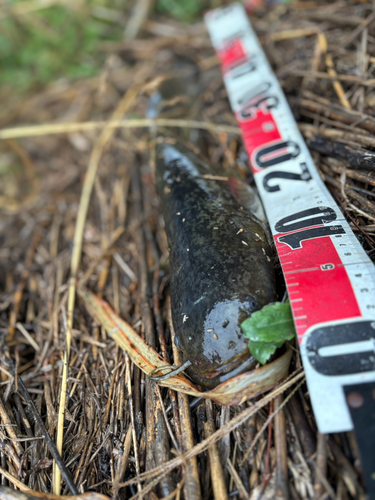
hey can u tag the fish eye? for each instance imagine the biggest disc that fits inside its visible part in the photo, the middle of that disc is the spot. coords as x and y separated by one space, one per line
252 304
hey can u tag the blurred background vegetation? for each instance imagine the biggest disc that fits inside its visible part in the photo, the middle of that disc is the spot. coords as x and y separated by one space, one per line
44 40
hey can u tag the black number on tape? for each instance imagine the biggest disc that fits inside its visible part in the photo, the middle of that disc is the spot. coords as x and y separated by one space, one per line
257 99
264 104
278 153
305 176
294 240
334 336
241 68
254 93
303 219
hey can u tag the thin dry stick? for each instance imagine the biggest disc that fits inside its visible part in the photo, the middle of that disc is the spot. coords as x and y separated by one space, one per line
325 483
114 237
26 160
290 34
139 14
158 446
120 473
149 487
359 136
103 276
233 424
332 72
225 442
303 429
177 492
337 84
217 475
163 346
353 34
9 451
337 114
44 433
36 494
174 441
14 480
315 61
10 430
21 411
267 461
333 76
88 185
27 336
266 423
79 374
21 285
131 406
67 128
109 401
321 464
282 490
361 212
237 481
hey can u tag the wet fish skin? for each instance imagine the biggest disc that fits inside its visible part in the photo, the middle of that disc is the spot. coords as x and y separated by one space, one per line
220 260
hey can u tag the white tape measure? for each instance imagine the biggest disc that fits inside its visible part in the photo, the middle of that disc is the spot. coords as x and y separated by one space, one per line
330 279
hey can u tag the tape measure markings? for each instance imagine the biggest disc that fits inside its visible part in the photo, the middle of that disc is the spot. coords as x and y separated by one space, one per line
330 279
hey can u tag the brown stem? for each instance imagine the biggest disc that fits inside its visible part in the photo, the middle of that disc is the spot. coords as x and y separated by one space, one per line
157 435
282 489
217 476
321 465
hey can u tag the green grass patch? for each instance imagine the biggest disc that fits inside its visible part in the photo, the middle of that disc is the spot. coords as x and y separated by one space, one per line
52 43
183 10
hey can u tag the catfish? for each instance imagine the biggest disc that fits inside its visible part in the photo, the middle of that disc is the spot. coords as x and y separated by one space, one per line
221 267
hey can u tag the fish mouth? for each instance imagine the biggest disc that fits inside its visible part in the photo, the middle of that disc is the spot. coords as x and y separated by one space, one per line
210 380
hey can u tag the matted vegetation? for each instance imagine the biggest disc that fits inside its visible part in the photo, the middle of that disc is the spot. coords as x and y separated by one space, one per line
79 208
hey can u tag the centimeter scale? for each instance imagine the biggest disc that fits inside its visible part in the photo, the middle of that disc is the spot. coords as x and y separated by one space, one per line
330 279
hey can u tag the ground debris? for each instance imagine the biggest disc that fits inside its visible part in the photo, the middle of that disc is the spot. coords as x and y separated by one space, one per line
122 436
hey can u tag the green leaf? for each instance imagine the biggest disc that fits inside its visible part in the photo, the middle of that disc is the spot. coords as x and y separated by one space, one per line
268 329
262 351
273 323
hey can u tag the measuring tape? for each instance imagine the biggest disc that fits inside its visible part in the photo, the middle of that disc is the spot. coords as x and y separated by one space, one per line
330 279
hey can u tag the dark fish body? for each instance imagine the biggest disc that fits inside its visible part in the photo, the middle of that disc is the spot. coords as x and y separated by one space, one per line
220 261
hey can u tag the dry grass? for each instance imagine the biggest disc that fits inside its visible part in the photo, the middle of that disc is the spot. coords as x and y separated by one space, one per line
78 202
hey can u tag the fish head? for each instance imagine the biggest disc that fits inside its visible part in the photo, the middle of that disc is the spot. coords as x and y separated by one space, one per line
211 337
